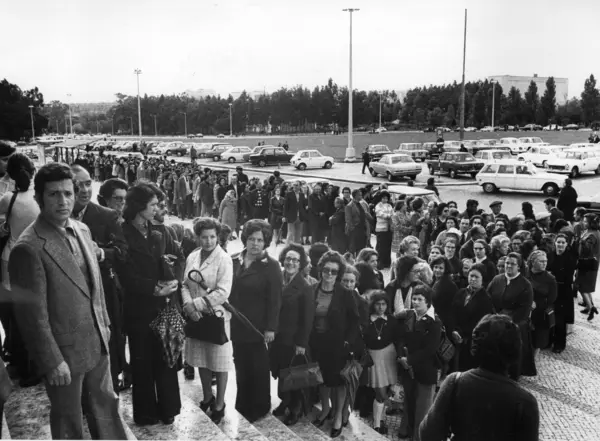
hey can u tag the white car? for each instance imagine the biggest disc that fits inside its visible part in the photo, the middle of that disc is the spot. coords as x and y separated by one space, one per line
582 145
540 155
515 145
575 162
220 135
552 127
517 175
487 129
470 129
452 146
311 159
396 165
492 155
235 154
168 148
530 141
380 130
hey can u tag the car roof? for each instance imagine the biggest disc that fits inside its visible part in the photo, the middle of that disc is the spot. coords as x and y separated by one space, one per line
510 162
408 191
391 155
492 151
311 150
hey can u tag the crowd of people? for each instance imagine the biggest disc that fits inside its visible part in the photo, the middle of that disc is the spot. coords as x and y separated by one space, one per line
473 295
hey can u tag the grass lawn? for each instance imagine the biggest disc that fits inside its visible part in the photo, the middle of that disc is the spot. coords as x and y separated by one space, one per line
335 145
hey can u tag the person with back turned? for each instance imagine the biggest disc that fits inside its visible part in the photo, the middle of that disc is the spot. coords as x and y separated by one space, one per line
61 311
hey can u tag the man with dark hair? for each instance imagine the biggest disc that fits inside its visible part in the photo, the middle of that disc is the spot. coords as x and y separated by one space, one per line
555 213
366 159
471 210
242 177
358 222
294 212
466 251
62 314
110 251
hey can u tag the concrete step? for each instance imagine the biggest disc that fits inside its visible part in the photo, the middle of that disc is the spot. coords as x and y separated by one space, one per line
357 429
233 425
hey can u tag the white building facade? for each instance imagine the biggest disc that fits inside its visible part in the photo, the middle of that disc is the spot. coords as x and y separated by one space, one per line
522 84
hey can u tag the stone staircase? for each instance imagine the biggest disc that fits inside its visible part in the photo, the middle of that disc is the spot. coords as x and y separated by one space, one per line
27 417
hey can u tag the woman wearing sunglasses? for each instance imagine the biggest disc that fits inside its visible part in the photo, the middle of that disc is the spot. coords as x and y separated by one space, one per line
334 336
209 275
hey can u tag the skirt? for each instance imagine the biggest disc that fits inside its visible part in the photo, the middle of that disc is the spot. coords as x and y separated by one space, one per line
586 281
331 356
216 358
384 371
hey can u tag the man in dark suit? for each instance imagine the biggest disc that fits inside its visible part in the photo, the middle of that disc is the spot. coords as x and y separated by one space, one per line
241 176
358 222
466 251
54 273
111 250
294 213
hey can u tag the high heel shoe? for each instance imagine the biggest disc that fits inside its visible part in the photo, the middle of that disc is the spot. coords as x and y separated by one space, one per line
585 311
318 422
335 432
204 406
292 418
217 415
593 311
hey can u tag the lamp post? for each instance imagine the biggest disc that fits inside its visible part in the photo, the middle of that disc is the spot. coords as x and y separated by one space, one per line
462 87
32 125
185 122
493 101
70 115
155 129
230 121
350 152
131 125
112 125
379 109
137 72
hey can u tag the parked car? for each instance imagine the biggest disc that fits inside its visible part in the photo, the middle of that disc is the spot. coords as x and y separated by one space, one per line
582 145
452 146
311 159
487 129
271 155
514 144
591 204
530 141
516 175
469 129
398 192
376 151
550 127
197 135
216 151
575 162
414 149
571 127
235 154
455 164
492 155
173 148
531 127
395 165
380 130
204 148
220 135
432 148
254 151
540 155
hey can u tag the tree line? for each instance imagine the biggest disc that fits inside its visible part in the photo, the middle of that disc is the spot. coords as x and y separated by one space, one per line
298 109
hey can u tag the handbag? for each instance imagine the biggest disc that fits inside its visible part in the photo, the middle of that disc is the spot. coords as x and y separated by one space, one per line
550 317
446 349
587 264
302 376
210 328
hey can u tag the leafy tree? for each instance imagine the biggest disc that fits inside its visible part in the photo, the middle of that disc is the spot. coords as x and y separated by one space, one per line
548 101
15 115
450 118
478 110
532 102
590 100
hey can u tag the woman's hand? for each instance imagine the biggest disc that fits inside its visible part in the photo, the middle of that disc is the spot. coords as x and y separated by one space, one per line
269 337
165 289
189 309
300 350
404 363
532 305
457 338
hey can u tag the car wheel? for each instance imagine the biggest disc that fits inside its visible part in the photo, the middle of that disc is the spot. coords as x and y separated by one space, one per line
489 188
168 153
328 165
262 163
550 190
231 160
597 171
452 173
413 177
215 158
302 166
389 176
431 171
373 172
574 173
202 155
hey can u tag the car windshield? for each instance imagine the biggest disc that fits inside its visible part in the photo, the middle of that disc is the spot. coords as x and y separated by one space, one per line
464 158
501 155
574 155
397 159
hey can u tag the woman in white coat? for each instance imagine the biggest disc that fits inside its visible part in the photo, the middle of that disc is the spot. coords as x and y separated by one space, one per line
216 268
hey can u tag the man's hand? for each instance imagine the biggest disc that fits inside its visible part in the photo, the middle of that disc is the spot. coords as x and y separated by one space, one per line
269 337
300 350
456 337
60 375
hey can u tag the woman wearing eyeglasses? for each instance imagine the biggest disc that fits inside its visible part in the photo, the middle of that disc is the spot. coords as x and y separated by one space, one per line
512 295
207 284
295 323
334 336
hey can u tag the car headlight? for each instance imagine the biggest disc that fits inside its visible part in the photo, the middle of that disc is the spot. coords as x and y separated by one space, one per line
567 167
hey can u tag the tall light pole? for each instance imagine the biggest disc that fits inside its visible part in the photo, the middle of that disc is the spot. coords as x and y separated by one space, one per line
137 72
185 122
131 124
70 115
230 122
493 101
155 126
350 152
379 109
32 125
462 87
112 125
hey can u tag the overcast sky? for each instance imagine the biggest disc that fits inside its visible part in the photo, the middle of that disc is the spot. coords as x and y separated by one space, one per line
90 49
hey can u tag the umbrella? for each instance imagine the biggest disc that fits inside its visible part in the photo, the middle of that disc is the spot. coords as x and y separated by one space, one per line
196 276
168 326
351 375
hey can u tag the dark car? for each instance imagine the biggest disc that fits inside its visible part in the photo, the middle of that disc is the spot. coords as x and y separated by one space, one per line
591 204
456 163
271 155
215 152
376 151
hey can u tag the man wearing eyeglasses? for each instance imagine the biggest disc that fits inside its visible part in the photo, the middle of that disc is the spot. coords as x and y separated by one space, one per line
111 249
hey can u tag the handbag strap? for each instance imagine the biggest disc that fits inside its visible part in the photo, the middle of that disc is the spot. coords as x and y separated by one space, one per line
10 206
209 306
296 355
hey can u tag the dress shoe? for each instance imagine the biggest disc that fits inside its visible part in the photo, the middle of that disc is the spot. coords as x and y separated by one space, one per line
279 411
382 429
318 422
335 432
204 406
291 419
558 350
585 311
168 420
217 415
593 311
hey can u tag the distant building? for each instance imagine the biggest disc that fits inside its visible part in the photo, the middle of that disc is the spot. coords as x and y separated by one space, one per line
200 93
522 84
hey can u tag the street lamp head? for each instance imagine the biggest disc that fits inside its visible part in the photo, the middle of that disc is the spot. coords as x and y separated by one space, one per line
30 106
137 71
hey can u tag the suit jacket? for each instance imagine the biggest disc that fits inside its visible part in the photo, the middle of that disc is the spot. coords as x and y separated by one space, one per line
353 217
291 208
60 317
514 299
297 313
